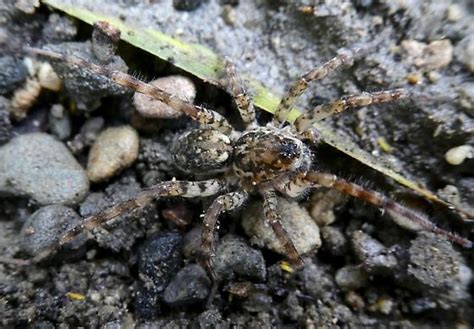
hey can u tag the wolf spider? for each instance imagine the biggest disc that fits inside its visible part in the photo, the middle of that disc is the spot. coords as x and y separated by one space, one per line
265 160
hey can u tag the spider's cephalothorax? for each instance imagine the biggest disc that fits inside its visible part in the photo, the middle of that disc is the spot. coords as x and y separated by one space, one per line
266 153
259 159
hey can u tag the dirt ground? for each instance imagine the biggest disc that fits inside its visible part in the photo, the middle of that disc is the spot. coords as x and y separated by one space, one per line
142 271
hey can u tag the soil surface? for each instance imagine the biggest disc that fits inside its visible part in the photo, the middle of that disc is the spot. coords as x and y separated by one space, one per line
144 270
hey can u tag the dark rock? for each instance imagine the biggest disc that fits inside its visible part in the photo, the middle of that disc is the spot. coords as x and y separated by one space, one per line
236 258
12 74
6 129
189 287
334 241
59 28
46 226
159 258
187 5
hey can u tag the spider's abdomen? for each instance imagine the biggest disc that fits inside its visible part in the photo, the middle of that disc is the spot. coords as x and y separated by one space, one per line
202 151
263 154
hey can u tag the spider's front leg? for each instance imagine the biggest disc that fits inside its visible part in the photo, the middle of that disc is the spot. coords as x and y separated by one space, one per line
403 215
273 219
165 189
223 203
242 100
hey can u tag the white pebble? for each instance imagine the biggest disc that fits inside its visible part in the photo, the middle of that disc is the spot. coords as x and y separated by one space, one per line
457 155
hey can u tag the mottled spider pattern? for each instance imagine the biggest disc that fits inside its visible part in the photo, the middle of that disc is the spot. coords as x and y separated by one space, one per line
265 160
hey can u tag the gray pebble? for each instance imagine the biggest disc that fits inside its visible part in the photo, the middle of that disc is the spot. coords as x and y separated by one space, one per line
114 149
466 97
375 257
176 85
334 240
190 286
235 258
301 228
41 167
12 74
465 52
59 28
45 226
6 128
59 122
351 277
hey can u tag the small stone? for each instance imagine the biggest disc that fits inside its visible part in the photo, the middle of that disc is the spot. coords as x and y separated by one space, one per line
190 286
454 13
334 240
322 206
187 5
176 85
465 52
354 300
351 277
46 225
12 74
432 56
24 98
301 228
6 128
159 259
456 155
235 258
115 149
466 97
59 122
42 167
59 28
47 78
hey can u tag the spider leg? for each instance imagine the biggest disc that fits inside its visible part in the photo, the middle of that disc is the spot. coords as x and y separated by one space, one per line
305 121
165 189
197 113
221 204
345 56
403 215
274 220
242 100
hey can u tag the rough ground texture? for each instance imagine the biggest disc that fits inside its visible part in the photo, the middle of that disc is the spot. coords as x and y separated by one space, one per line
368 271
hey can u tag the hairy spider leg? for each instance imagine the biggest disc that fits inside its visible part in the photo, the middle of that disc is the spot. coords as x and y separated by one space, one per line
221 204
198 113
345 57
241 98
306 120
272 217
403 215
165 189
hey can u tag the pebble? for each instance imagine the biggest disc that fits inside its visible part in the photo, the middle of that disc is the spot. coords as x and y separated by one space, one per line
376 258
59 122
114 149
435 55
47 78
42 167
466 97
187 5
190 286
301 228
334 240
46 225
351 277
235 258
322 207
12 74
6 128
465 52
159 259
456 155
176 85
59 28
